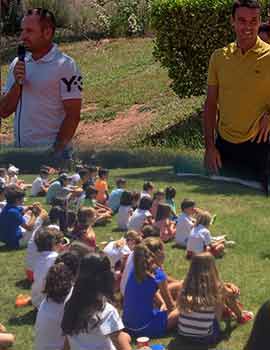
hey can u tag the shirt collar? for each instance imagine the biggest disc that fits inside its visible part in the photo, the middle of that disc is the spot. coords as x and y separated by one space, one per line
47 58
256 48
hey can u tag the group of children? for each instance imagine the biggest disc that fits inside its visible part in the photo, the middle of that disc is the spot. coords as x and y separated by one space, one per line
74 279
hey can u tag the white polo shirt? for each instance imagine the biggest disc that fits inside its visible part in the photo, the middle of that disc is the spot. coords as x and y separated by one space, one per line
48 82
199 238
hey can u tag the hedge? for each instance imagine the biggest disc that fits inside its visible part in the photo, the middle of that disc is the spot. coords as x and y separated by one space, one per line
187 32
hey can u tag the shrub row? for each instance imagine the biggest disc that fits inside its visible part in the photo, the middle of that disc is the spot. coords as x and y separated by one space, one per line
187 32
92 18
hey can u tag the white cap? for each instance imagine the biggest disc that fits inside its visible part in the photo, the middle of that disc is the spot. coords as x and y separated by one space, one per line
13 169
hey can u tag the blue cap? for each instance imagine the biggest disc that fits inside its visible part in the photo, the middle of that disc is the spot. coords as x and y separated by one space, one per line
157 347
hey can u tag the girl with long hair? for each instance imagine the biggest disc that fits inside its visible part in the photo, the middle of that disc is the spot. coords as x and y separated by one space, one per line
90 321
203 299
147 282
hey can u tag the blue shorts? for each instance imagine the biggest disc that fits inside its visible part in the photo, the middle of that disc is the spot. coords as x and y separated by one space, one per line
156 328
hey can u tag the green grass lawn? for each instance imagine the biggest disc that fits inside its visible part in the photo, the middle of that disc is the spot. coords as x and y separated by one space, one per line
242 214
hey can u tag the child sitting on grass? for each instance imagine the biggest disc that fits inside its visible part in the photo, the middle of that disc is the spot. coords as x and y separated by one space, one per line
158 197
170 193
115 195
101 185
49 243
32 252
149 307
141 215
12 218
48 332
41 184
6 339
125 210
118 251
202 301
83 230
104 213
163 224
90 321
185 222
200 238
148 189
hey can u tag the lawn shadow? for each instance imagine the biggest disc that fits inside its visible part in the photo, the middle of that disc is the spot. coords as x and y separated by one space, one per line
200 185
28 318
23 284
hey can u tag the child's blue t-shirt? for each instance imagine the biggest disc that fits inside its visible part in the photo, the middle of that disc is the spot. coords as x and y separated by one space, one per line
114 199
11 218
139 298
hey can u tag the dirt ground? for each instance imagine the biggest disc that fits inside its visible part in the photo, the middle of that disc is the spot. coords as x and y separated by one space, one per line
104 134
114 131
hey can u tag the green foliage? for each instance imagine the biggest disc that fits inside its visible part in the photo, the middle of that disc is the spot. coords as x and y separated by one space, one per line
60 8
187 32
97 18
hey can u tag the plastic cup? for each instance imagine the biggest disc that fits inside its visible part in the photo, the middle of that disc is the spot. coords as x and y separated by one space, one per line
142 342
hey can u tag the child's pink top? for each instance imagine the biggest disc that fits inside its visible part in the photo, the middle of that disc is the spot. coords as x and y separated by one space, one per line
166 228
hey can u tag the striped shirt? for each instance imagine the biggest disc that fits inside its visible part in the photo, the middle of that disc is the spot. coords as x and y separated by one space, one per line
196 324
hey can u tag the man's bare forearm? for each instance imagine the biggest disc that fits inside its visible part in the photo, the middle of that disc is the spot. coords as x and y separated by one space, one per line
8 102
210 123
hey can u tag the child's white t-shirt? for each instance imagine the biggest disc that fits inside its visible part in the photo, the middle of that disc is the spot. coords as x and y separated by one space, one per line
42 265
31 251
98 337
137 219
123 216
199 238
13 179
115 253
183 229
125 275
2 205
145 194
36 186
48 332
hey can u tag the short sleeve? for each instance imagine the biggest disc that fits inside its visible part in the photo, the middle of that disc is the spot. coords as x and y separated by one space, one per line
10 78
160 275
17 217
212 71
71 81
112 321
207 237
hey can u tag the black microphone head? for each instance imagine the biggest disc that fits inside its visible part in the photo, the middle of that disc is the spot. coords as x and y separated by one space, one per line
21 52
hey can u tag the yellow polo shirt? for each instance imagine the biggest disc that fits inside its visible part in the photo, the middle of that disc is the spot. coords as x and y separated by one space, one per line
243 82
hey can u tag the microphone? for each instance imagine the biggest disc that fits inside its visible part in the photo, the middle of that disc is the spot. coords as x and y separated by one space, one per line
21 55
21 52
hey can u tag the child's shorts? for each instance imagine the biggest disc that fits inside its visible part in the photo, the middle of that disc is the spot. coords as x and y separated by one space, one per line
30 275
211 339
156 328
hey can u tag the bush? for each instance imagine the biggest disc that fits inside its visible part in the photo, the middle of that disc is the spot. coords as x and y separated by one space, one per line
187 32
99 18
60 8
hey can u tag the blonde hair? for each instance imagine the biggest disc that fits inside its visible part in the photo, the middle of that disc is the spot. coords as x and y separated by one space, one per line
86 216
203 217
202 286
144 255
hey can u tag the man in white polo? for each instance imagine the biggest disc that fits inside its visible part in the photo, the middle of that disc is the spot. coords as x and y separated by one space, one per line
44 90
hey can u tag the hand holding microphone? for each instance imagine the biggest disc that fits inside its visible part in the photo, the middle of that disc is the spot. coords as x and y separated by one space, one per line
19 69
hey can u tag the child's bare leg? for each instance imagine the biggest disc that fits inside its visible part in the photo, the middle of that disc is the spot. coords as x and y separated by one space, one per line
174 288
234 306
6 340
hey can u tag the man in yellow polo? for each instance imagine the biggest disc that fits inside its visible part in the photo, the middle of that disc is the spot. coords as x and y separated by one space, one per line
239 93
